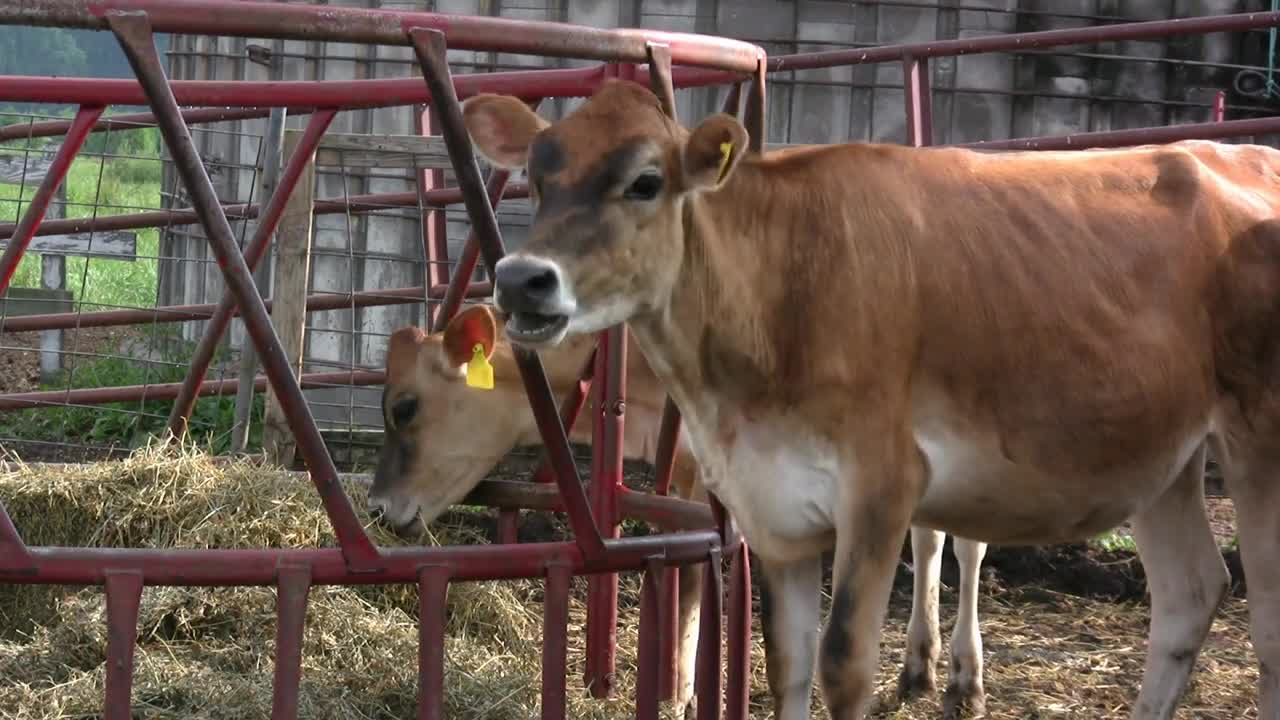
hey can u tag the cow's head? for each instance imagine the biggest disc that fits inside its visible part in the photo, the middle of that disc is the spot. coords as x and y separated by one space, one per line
608 184
442 436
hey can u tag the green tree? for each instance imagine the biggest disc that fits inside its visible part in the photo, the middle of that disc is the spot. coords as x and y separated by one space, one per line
40 51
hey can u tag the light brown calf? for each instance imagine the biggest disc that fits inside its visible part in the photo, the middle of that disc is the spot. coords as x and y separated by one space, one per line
431 457
1013 347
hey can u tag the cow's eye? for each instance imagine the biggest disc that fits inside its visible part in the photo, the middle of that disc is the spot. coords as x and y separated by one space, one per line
645 187
403 410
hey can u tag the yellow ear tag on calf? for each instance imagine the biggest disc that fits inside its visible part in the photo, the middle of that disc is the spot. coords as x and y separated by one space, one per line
479 371
726 152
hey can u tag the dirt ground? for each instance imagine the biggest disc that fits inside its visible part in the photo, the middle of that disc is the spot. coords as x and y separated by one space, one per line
20 363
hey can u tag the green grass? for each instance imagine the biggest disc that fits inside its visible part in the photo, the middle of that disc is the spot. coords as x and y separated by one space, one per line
130 424
124 185
94 187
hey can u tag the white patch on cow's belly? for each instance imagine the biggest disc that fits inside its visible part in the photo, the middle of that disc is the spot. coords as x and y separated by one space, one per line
974 491
780 486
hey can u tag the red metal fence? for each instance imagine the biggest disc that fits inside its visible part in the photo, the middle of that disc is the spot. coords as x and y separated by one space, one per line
596 550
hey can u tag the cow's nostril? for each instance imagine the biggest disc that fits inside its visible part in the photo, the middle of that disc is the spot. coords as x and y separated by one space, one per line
543 283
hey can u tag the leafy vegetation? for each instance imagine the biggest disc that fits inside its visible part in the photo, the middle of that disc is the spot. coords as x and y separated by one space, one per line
98 187
131 424
128 180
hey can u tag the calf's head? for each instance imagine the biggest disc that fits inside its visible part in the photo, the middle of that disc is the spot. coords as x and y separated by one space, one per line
608 183
441 436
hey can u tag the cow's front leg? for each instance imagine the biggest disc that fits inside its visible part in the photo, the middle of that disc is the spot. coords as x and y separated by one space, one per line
873 516
789 612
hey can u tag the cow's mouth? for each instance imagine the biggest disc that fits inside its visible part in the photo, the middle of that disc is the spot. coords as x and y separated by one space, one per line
536 329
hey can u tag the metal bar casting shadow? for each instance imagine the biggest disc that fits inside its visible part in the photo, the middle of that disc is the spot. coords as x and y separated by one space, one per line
433 595
185 403
38 205
292 587
738 636
429 46
133 31
124 593
555 640
648 662
919 100
460 281
606 479
707 675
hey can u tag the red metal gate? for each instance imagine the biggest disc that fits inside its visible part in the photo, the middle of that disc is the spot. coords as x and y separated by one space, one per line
595 550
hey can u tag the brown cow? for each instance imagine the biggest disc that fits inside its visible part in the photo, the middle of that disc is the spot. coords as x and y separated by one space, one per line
1018 348
432 457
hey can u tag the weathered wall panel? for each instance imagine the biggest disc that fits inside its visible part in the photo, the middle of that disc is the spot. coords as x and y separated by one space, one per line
976 97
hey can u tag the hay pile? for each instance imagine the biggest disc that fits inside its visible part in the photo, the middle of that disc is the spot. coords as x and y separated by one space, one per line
207 653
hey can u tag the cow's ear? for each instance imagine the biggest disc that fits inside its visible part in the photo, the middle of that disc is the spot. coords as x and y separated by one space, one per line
712 152
471 327
502 128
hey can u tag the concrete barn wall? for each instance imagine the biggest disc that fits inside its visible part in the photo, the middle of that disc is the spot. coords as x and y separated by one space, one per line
976 97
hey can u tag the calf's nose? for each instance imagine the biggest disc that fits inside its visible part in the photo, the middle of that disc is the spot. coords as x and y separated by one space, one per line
526 284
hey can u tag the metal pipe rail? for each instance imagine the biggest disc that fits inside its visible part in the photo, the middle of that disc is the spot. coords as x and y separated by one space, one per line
388 27
123 573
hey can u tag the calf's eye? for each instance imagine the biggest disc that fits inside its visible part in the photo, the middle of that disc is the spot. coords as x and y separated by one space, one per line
645 187
403 410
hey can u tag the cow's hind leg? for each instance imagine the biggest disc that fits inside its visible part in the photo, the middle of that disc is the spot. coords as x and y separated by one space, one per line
965 693
1187 579
1255 492
686 485
689 604
924 643
789 613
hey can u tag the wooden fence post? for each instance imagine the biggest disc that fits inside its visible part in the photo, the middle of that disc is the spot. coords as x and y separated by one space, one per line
289 298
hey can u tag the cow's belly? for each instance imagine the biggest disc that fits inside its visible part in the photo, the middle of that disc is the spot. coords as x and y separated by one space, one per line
975 491
780 489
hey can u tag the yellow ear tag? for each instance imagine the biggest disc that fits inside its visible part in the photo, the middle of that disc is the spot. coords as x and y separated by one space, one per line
479 371
726 152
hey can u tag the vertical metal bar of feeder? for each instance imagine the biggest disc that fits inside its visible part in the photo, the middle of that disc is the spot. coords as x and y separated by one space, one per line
460 281
555 640
660 77
738 640
435 227
753 115
124 592
81 126
707 678
648 662
272 146
1220 106
733 101
919 100
258 245
133 31
669 633
429 46
606 479
433 594
293 583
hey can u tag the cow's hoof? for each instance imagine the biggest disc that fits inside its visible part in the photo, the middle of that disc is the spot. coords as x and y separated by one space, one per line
964 702
914 683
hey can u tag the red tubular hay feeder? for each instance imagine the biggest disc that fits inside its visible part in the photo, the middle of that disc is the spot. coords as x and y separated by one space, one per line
594 516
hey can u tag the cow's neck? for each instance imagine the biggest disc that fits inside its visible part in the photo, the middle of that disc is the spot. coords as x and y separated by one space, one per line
711 345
